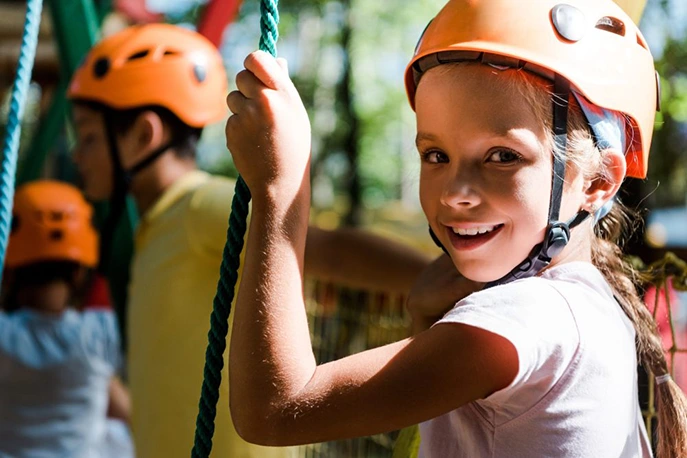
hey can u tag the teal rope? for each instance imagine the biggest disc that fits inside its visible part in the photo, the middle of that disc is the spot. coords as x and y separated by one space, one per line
10 148
219 319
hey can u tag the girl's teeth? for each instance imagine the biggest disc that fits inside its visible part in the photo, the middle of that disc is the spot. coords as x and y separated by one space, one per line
474 230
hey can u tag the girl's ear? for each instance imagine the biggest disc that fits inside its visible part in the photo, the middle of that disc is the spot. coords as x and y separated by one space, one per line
602 188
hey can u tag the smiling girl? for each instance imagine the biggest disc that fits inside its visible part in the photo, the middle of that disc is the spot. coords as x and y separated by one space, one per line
529 117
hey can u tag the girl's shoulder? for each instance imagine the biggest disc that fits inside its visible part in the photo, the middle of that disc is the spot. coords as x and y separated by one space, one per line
540 317
560 284
530 307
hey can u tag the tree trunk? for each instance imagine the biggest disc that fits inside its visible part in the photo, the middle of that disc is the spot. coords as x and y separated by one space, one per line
350 117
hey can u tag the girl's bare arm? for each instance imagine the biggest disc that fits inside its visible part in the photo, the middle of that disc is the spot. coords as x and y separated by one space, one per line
279 396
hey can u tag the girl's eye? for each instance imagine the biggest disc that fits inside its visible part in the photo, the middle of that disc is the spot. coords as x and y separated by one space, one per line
504 156
435 157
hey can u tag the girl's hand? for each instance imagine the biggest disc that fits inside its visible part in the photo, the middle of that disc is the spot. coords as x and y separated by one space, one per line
436 291
269 132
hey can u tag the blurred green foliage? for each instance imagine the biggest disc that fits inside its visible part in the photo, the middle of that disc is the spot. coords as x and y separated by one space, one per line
347 59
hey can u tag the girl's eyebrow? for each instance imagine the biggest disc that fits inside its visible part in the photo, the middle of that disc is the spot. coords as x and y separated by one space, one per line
427 137
424 137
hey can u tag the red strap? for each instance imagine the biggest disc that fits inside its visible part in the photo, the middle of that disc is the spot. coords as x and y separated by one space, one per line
136 11
217 16
98 294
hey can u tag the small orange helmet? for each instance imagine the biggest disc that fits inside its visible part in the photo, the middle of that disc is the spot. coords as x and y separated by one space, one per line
591 43
155 64
51 221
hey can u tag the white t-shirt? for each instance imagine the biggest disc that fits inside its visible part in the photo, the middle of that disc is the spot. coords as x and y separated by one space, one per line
55 372
575 394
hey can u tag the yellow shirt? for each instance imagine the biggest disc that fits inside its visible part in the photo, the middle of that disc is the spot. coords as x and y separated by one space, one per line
178 251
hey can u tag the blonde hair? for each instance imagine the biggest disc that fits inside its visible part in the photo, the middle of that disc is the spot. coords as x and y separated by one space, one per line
609 234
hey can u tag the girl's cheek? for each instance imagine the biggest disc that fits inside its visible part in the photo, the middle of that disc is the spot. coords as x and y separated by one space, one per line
429 194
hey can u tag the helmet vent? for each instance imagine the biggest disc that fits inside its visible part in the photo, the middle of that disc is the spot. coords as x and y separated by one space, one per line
56 235
641 42
611 24
101 67
138 55
171 52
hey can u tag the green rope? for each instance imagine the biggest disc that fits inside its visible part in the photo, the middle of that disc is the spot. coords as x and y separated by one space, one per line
219 319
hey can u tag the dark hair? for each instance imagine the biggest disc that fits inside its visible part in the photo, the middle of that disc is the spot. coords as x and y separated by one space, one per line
184 137
38 274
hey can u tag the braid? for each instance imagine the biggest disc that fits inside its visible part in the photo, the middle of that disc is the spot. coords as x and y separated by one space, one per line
622 277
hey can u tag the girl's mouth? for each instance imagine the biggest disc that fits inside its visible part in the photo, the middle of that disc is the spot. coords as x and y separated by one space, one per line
472 238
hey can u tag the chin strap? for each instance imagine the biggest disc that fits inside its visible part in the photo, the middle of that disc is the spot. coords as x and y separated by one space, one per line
557 233
557 237
437 242
121 182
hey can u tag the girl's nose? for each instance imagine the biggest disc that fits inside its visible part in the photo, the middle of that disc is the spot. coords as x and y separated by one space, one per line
460 192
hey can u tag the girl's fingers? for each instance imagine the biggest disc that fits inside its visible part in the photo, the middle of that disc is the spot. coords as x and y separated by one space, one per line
266 69
236 101
248 84
284 64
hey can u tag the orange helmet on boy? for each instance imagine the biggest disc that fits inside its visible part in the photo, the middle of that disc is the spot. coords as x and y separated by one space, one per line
155 65
51 221
592 44
145 67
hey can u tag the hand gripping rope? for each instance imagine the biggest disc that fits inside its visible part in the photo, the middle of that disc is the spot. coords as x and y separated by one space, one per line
221 306
10 148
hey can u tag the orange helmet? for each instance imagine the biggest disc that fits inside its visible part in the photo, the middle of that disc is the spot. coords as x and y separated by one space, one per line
155 64
51 221
592 44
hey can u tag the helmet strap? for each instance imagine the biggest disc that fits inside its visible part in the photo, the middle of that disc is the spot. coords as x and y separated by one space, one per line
558 232
436 241
121 183
147 161
120 188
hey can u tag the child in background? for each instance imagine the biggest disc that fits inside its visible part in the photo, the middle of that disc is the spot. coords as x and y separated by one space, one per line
141 99
57 365
529 117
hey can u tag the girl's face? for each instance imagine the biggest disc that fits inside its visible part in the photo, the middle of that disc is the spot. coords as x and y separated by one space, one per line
485 178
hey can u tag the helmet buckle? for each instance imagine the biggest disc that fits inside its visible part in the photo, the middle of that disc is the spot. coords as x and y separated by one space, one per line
557 237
